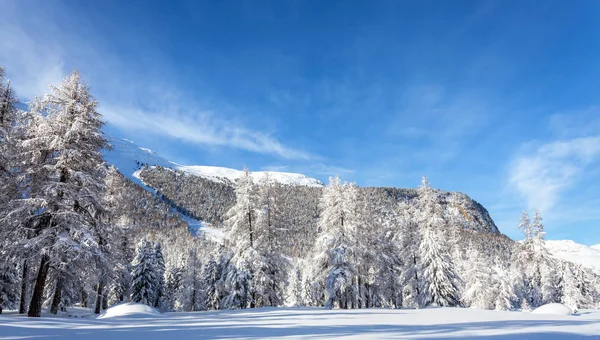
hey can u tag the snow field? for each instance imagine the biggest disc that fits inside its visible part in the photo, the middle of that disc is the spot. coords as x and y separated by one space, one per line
313 323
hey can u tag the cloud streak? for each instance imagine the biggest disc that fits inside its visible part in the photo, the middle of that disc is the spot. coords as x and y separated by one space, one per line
35 57
544 173
201 127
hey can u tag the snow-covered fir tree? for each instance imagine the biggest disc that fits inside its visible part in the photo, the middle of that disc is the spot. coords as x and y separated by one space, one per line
9 288
143 276
439 283
504 293
572 295
174 283
159 274
333 269
192 294
479 286
241 239
64 174
539 283
211 283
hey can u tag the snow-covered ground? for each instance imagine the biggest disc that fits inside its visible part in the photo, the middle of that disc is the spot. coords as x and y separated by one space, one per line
312 323
577 253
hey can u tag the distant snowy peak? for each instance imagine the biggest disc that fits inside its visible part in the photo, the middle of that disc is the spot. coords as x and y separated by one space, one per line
216 173
577 253
129 158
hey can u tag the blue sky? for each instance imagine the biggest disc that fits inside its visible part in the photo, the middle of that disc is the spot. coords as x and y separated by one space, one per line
497 99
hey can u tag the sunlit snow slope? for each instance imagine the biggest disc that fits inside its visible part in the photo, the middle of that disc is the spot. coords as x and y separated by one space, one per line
217 173
129 157
576 253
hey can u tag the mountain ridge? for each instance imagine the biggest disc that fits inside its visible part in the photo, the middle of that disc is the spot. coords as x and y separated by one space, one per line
129 157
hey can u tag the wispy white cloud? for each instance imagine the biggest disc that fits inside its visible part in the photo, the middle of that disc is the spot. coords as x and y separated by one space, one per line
199 127
37 55
544 172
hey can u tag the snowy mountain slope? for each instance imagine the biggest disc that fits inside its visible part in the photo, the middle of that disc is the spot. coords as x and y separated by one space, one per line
129 157
219 174
597 246
574 252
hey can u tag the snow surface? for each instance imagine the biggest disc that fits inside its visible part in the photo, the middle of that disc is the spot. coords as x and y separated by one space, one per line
574 252
312 323
220 174
553 308
127 157
129 310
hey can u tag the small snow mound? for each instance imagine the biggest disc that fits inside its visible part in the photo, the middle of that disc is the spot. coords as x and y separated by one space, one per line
553 308
129 310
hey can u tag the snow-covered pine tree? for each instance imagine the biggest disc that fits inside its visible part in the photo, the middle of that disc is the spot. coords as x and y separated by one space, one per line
65 178
211 281
173 283
143 276
9 288
295 288
8 128
332 266
159 273
571 292
505 292
546 265
479 292
439 280
11 133
241 239
269 269
192 292
410 241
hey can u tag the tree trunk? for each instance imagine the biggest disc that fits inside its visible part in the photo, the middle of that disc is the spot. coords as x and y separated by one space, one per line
57 296
35 306
84 298
253 301
359 297
99 297
250 229
105 300
24 277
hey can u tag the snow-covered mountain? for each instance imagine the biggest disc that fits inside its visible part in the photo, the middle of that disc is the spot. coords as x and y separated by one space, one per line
129 157
577 253
217 173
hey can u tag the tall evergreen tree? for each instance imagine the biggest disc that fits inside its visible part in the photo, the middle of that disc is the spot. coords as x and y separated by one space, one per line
332 265
159 273
439 283
143 276
64 177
